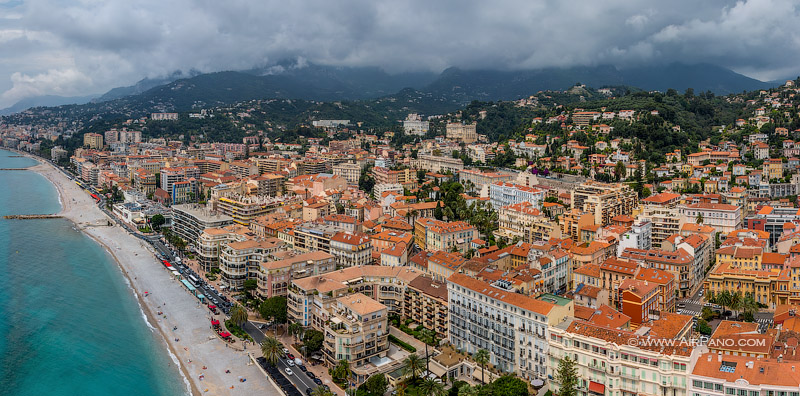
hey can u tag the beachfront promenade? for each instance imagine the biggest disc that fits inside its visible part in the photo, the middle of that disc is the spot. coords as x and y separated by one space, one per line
192 342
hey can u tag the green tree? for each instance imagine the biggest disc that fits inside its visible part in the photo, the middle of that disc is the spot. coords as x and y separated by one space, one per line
342 372
271 349
412 365
431 387
376 385
438 213
567 377
509 386
312 340
703 327
427 336
466 390
482 358
295 329
249 286
320 391
238 314
157 221
274 308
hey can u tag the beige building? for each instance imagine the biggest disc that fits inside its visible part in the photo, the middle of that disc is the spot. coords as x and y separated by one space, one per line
93 140
466 133
349 171
604 200
438 164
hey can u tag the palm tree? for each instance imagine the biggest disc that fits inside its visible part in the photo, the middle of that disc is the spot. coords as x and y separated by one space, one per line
736 301
431 387
238 315
723 298
320 391
466 390
412 365
295 329
343 371
271 348
427 336
482 358
748 305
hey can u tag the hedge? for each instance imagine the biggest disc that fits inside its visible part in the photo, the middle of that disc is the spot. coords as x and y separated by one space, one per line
402 344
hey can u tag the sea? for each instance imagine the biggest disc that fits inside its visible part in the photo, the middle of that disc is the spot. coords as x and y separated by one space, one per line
69 322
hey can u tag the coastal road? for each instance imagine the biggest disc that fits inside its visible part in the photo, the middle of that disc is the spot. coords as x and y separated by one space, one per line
300 380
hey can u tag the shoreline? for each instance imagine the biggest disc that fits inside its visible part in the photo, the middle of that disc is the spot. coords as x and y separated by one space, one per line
193 339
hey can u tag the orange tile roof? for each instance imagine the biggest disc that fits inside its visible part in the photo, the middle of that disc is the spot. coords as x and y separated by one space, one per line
509 297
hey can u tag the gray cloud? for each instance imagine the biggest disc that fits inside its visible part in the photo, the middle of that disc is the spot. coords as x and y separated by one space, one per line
85 46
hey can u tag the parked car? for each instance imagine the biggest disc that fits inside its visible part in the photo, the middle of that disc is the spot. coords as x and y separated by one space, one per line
317 381
289 355
288 371
310 375
290 362
286 351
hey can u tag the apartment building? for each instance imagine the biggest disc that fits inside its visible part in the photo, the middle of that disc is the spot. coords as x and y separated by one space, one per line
349 171
477 180
450 236
351 249
466 133
405 177
357 331
279 268
666 287
662 212
438 164
144 181
638 237
93 141
604 200
504 194
312 237
212 240
639 301
246 208
170 176
515 221
725 374
680 263
723 217
441 265
514 328
425 302
189 221
270 185
619 362
310 298
241 260
414 125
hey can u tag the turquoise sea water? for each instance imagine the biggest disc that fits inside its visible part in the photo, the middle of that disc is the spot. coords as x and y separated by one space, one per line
69 324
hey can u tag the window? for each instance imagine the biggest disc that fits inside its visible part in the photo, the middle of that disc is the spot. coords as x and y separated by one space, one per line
730 391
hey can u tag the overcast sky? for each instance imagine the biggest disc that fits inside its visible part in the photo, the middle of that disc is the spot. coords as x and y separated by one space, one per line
81 47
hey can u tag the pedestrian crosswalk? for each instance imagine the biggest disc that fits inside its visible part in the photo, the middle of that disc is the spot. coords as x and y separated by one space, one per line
695 300
689 311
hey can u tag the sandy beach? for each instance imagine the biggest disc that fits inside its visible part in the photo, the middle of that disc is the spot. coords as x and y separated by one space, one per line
196 346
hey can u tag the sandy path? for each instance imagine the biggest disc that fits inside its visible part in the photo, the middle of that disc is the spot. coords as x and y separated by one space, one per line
196 340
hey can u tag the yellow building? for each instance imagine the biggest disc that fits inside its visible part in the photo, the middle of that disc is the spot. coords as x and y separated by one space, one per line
749 270
93 140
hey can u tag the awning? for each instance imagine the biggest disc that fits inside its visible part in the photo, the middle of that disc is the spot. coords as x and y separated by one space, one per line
224 334
214 322
212 307
598 388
